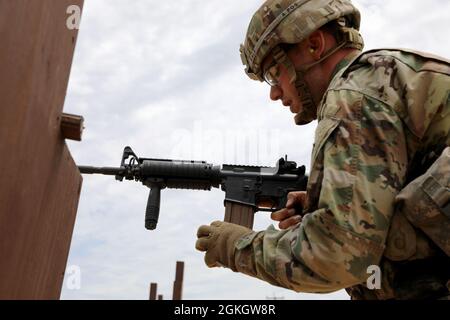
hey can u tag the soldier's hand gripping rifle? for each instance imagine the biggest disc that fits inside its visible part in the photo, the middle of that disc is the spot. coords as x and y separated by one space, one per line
247 188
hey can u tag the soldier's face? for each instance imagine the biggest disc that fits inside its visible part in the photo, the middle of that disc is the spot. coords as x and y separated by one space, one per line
315 79
284 90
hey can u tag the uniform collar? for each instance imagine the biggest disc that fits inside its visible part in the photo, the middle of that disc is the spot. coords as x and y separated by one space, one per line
344 63
339 69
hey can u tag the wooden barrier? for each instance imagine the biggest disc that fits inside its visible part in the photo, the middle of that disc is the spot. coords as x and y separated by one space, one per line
40 183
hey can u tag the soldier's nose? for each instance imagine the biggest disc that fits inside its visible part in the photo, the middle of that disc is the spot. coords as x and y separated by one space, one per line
275 93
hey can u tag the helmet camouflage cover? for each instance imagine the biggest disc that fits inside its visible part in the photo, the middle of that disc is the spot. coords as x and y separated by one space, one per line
292 21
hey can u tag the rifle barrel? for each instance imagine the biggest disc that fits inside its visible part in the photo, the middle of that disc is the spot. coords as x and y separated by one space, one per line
111 171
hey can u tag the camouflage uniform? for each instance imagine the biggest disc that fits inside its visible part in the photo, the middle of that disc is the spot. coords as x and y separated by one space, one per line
384 112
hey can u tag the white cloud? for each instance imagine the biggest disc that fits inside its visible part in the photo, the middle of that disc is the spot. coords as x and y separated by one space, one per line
147 74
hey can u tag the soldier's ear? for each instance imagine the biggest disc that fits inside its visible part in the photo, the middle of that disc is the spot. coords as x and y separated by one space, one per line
316 44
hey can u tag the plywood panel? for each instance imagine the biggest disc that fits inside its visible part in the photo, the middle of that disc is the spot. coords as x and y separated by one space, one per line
39 181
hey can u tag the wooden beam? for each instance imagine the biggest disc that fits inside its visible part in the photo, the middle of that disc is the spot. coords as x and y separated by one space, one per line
72 126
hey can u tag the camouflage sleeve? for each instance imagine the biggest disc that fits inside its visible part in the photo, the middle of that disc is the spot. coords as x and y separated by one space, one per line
358 166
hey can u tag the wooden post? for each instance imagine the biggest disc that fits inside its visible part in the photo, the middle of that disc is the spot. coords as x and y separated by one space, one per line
153 290
160 297
178 283
40 183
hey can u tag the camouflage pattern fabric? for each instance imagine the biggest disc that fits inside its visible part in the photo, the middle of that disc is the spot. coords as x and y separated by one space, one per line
383 112
425 202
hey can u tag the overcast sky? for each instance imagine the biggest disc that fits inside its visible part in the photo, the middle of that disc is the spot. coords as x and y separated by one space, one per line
166 78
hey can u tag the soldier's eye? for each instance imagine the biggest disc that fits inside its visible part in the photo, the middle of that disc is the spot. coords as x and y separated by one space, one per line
271 74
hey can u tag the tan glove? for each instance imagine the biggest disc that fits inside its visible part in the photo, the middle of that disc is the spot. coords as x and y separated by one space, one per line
218 240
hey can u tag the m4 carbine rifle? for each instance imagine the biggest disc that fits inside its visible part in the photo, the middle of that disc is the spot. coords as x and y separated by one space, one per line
247 188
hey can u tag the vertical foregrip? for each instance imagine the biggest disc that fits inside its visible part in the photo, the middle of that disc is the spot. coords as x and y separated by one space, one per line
152 210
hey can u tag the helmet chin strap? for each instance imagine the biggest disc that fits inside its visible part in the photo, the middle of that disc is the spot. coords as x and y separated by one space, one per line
308 109
308 112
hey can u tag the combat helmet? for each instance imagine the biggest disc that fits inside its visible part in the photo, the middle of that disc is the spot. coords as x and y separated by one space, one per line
279 22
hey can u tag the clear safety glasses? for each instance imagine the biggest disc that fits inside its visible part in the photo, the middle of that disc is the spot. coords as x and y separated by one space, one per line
272 74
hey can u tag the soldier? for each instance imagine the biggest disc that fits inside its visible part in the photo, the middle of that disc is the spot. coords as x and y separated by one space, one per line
373 196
